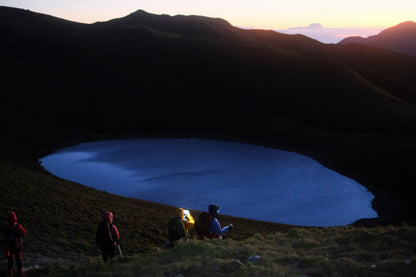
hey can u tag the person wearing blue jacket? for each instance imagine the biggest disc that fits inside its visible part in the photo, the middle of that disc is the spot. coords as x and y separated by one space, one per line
215 228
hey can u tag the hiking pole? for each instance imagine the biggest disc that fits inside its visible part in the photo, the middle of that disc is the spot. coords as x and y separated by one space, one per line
119 249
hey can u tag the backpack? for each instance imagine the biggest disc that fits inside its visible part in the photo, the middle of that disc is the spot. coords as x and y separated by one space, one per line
103 235
14 239
203 224
176 229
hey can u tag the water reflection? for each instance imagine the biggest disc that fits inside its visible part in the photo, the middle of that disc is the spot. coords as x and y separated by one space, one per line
246 180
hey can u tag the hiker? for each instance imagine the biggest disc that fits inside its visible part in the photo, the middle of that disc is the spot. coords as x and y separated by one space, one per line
188 221
208 225
107 236
178 226
14 241
215 228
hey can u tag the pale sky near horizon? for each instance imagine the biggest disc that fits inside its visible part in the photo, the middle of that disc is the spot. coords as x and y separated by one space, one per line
263 14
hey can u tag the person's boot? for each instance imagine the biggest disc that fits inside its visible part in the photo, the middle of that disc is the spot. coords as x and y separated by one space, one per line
20 271
10 271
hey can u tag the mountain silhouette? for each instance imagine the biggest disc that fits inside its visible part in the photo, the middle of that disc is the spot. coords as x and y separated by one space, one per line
400 38
145 74
156 70
190 26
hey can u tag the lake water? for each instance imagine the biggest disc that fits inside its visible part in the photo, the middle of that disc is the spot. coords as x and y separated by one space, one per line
245 180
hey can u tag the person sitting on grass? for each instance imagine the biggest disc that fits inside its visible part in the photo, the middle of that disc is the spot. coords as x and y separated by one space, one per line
215 228
176 228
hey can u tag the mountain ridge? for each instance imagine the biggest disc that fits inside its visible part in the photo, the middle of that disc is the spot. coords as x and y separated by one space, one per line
218 53
400 38
200 26
261 72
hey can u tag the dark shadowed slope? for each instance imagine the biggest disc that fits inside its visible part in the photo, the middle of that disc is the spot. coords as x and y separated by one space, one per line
146 73
400 38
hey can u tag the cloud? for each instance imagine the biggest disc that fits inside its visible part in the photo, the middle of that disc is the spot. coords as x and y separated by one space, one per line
330 35
315 26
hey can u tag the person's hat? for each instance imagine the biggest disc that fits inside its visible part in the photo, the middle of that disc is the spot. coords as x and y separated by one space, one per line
108 216
213 209
12 218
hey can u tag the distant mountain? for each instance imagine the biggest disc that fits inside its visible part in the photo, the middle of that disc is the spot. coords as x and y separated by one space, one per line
144 72
191 26
400 38
200 27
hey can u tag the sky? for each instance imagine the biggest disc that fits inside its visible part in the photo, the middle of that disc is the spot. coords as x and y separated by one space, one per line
336 18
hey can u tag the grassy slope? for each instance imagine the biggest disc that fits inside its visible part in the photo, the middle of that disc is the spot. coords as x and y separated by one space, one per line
343 251
61 216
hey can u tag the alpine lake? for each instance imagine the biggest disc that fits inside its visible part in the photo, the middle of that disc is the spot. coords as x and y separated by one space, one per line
246 180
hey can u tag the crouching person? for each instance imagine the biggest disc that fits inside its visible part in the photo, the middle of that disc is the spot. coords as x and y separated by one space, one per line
14 241
215 228
107 236
179 225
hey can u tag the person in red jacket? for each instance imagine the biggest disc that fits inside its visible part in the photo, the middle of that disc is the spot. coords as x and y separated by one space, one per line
107 236
14 241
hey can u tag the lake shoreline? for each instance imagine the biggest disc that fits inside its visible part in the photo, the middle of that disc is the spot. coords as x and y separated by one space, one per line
251 181
385 204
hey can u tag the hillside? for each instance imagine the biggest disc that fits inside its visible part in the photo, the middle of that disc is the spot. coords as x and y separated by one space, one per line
61 217
351 107
381 251
150 74
120 76
400 38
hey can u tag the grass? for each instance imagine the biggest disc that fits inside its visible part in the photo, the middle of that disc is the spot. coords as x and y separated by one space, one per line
341 251
61 216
